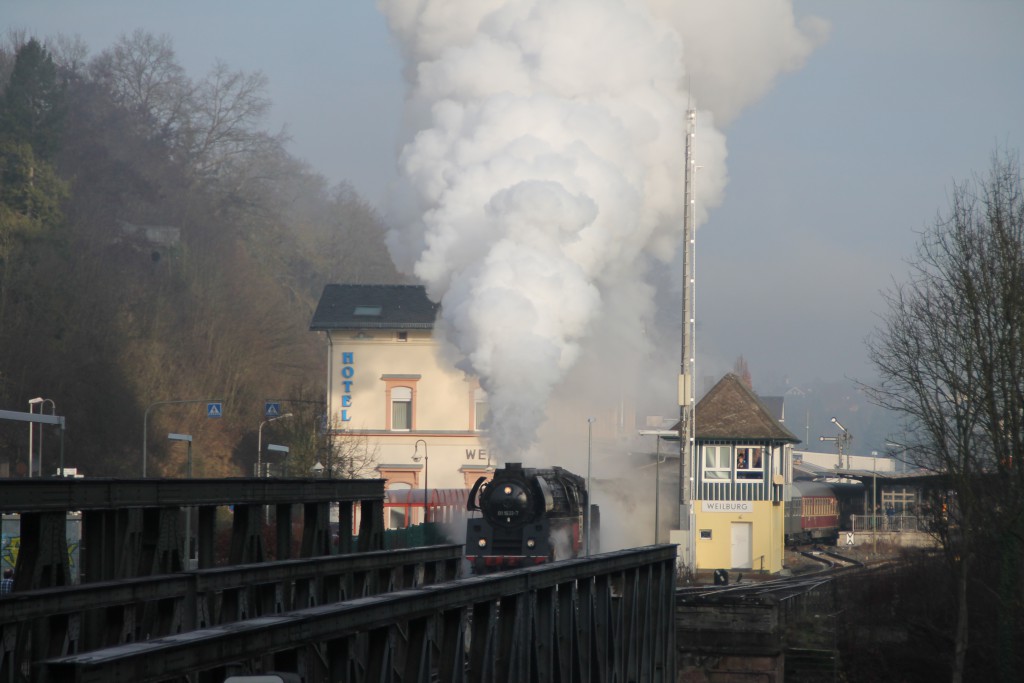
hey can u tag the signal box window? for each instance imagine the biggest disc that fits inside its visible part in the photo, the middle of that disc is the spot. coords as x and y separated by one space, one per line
749 462
401 409
717 464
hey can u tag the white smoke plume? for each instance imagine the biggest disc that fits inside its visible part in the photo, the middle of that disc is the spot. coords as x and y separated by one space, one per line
542 177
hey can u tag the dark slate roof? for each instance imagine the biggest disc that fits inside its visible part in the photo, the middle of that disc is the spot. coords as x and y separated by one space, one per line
732 412
353 307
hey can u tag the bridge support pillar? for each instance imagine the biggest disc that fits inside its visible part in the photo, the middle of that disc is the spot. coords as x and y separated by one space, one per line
316 530
105 540
284 531
162 542
345 526
371 525
247 536
43 556
205 537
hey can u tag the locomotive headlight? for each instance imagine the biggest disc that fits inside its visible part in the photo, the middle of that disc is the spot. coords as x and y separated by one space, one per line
482 543
530 543
507 490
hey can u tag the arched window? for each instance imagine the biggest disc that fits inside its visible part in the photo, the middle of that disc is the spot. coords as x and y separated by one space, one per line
401 409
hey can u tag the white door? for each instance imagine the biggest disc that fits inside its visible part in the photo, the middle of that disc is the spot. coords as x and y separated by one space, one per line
742 545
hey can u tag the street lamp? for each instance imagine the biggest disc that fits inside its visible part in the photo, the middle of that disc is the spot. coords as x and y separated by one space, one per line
874 498
280 449
659 433
426 473
187 438
145 421
32 403
41 402
259 441
188 511
590 440
53 411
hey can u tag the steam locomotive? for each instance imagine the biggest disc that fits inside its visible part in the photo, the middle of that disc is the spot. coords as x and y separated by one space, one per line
528 516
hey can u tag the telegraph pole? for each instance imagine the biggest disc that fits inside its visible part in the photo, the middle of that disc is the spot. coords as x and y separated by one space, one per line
686 361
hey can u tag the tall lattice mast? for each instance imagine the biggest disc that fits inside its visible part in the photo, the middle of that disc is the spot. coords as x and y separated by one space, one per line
686 362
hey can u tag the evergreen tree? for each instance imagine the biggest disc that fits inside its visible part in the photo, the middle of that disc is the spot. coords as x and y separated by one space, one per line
33 107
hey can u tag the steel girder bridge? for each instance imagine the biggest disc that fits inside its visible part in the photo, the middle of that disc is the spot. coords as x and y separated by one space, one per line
137 527
132 556
606 618
363 615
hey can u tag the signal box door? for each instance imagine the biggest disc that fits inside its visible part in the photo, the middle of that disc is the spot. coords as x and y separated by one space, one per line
742 545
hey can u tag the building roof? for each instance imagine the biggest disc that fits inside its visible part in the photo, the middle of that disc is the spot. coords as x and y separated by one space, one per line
731 412
353 307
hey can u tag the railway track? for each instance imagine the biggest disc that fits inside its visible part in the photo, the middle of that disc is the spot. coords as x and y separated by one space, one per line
781 587
831 559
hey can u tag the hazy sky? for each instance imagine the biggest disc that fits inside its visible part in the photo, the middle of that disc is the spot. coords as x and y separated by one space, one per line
829 173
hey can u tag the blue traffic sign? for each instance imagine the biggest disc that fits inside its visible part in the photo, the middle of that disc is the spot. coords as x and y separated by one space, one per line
214 410
271 409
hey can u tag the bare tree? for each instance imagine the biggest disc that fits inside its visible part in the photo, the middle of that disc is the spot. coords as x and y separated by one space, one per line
950 352
313 447
226 107
211 125
351 455
142 75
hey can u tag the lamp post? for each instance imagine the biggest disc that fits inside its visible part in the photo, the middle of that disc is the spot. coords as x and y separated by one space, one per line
188 511
426 473
145 422
658 433
280 449
187 438
259 441
590 441
874 506
53 411
32 403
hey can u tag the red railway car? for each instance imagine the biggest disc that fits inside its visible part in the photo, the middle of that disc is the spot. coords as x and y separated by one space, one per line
812 515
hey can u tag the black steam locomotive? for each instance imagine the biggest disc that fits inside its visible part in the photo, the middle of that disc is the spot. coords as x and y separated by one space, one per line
528 516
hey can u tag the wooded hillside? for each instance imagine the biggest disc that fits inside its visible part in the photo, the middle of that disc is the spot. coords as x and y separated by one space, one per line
155 245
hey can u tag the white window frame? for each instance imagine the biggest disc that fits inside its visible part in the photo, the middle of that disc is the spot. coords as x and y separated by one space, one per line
480 399
720 452
401 395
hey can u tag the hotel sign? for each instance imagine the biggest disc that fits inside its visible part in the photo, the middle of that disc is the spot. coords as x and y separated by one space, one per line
348 371
726 506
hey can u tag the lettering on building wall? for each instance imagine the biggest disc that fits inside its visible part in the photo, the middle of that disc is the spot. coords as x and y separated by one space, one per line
348 370
476 454
726 506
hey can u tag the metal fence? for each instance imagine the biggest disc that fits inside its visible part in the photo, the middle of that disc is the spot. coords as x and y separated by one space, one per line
883 522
